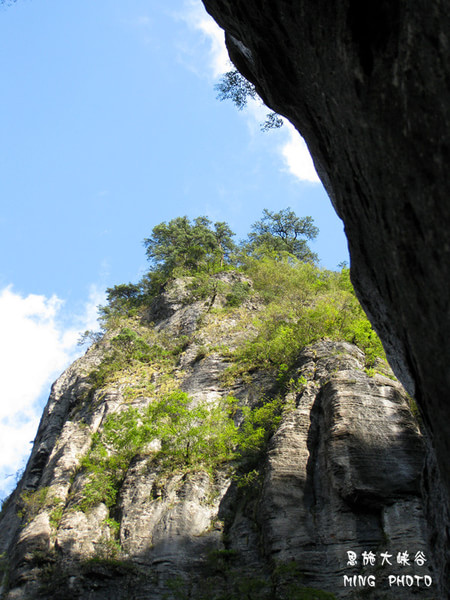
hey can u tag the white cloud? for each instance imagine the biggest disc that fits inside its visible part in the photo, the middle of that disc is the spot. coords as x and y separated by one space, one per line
294 151
197 18
35 346
297 157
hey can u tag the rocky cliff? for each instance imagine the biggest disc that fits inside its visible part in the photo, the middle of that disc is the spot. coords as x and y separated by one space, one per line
368 86
176 476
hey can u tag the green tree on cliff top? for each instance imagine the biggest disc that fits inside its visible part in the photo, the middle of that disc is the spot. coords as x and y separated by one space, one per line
283 231
190 246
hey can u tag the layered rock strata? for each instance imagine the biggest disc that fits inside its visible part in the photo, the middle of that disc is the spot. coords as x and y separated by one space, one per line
340 475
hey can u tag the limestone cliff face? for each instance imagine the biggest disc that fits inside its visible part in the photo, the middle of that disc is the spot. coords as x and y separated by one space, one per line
341 473
367 84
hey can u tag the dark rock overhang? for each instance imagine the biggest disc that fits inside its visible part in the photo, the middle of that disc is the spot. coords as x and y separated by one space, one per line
368 87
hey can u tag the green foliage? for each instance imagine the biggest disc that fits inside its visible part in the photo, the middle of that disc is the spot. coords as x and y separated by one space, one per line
222 557
288 383
110 455
121 298
53 576
287 577
113 525
258 426
128 348
203 286
191 436
181 244
3 563
250 482
196 436
31 503
236 88
238 293
359 331
108 549
283 232
118 566
415 410
179 589
132 347
200 249
253 588
89 337
303 304
56 514
128 300
273 121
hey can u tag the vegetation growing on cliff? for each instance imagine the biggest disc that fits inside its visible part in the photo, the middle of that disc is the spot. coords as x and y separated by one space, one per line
301 302
298 304
195 246
281 232
233 86
196 369
185 436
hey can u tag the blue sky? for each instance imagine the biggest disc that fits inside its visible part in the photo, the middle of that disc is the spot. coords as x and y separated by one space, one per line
109 125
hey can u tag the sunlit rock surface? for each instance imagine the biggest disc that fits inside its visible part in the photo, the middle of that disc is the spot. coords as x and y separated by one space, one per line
341 474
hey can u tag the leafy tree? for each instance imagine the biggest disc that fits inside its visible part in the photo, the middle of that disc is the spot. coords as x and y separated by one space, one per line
200 248
236 88
283 232
122 297
192 246
224 242
123 300
273 121
124 291
89 337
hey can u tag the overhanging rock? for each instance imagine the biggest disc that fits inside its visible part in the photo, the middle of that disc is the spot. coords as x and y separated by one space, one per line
368 86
